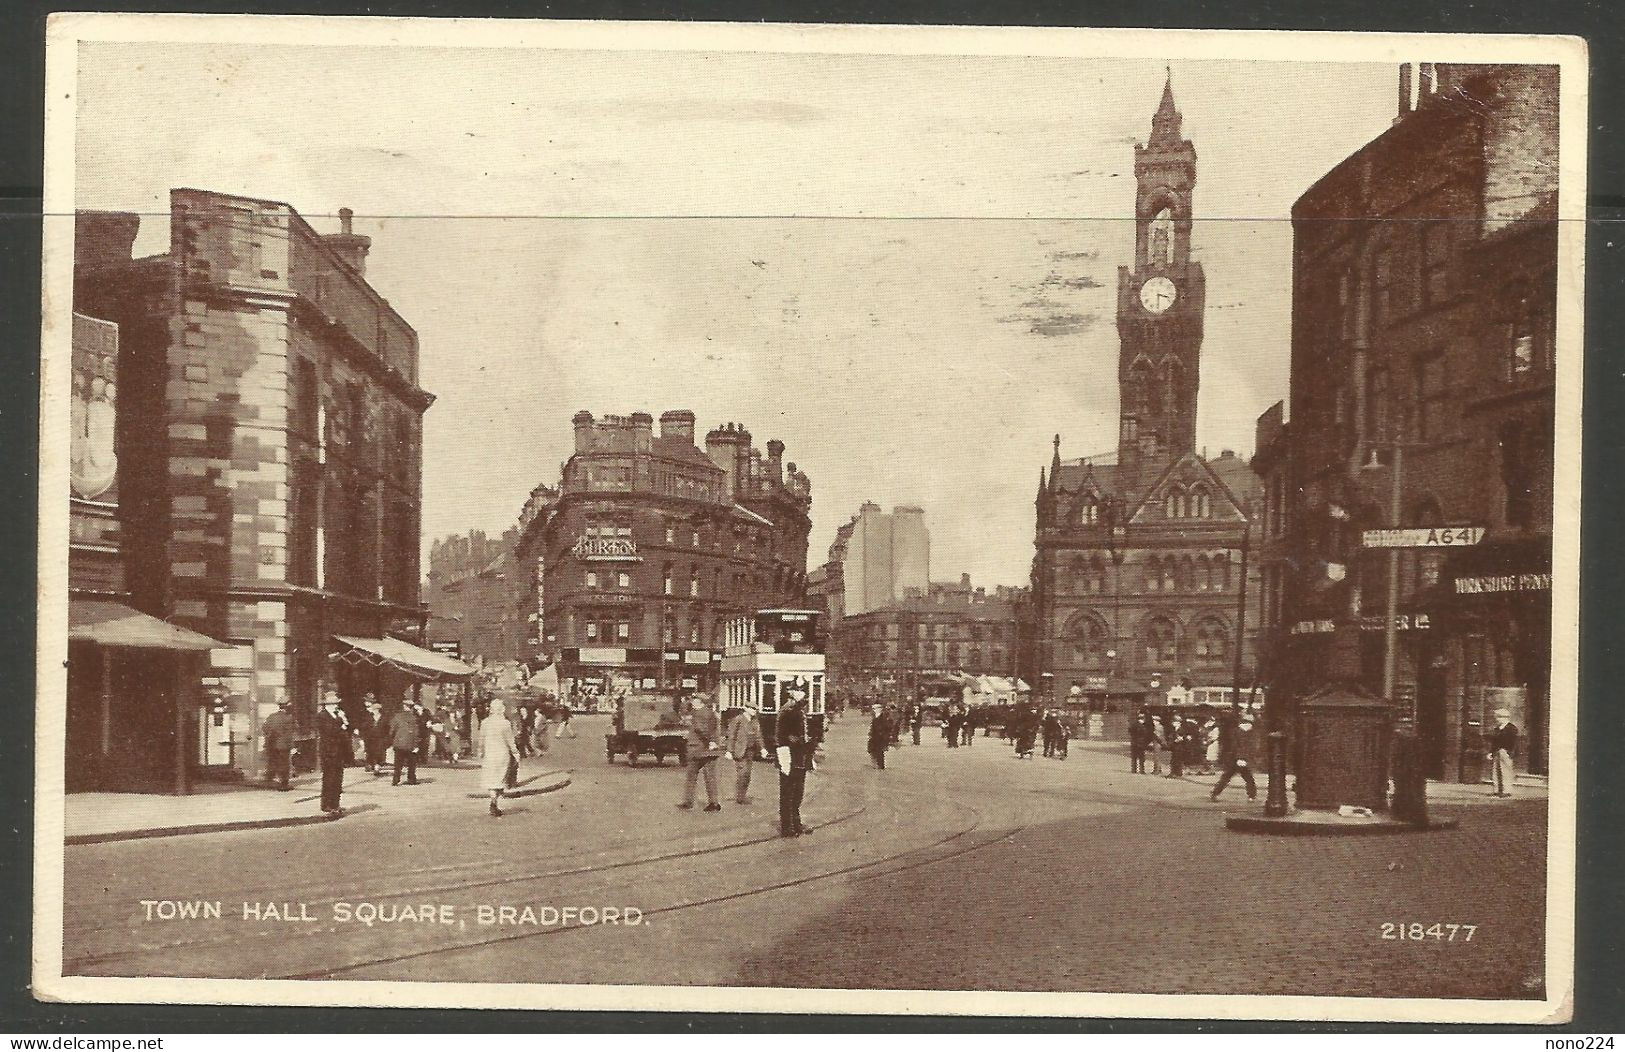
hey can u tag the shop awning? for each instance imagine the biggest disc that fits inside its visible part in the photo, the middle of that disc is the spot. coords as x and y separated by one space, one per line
110 624
401 656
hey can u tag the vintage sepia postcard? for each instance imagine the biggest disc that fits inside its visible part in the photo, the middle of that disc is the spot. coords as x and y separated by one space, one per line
814 519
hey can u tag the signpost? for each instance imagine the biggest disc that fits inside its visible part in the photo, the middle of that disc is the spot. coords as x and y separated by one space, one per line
1423 537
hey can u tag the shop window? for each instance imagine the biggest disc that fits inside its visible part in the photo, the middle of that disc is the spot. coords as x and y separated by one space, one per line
623 580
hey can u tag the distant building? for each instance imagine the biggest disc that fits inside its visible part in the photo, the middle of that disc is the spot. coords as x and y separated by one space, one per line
476 597
925 637
269 463
649 543
1139 558
1424 315
881 557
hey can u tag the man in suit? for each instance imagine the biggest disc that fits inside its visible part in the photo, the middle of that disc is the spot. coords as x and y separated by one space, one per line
879 737
332 749
744 742
704 747
277 734
916 720
404 740
372 734
1230 760
1504 751
796 744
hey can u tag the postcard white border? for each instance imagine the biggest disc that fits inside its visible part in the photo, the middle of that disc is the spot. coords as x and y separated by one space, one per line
65 31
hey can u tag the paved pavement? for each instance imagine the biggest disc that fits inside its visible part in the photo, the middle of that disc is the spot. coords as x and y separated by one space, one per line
952 869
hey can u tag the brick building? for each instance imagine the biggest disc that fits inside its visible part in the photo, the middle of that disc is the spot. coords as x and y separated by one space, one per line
1423 375
477 597
649 543
1139 558
270 471
923 638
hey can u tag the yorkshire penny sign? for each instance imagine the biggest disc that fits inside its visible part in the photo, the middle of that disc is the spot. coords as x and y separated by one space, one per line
1424 537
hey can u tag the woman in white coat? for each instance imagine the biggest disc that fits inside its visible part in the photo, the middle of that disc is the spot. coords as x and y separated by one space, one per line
500 750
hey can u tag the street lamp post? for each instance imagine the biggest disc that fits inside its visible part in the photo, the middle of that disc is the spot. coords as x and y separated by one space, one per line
1116 535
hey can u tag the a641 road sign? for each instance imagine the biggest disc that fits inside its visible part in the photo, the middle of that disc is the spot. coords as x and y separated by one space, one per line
1424 537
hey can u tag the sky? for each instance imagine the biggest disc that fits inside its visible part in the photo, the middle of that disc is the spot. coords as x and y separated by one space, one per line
904 267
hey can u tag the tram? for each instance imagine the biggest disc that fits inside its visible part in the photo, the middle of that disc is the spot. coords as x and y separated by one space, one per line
768 654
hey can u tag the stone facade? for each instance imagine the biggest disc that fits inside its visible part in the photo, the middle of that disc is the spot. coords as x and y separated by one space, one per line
275 474
648 544
1424 332
899 648
476 597
1139 564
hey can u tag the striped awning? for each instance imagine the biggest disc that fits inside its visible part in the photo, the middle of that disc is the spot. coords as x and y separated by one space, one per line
401 656
110 624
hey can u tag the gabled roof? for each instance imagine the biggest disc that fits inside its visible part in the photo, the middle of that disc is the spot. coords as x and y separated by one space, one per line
1078 476
1226 503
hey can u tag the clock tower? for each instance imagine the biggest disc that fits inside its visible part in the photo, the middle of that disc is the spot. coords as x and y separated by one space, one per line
1159 308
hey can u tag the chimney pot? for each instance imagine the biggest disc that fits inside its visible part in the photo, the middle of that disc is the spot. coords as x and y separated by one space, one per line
345 215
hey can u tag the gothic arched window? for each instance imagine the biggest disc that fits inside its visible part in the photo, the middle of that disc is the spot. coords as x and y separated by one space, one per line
1211 641
1139 377
1173 505
1160 641
1160 239
1153 574
1201 505
1173 378
1097 574
1204 574
1187 575
1088 638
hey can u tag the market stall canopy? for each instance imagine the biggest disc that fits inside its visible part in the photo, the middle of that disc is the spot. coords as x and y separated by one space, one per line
401 656
110 624
547 679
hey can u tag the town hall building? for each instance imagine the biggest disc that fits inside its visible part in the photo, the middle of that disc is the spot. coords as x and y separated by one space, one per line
1139 561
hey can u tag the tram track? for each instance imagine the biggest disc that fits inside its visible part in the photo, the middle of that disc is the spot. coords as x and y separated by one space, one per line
509 937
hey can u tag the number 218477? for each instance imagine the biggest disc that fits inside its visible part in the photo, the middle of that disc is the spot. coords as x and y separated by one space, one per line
1418 932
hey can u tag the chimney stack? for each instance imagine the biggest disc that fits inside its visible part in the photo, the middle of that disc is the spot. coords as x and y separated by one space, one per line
350 247
1404 90
775 461
677 424
583 431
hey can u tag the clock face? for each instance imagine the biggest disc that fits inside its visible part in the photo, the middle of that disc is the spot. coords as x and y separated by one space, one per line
1157 295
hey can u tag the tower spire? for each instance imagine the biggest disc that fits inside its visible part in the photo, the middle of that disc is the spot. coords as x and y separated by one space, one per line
1165 124
1055 464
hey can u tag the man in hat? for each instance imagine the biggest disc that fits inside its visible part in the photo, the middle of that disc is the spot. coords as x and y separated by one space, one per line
405 740
372 734
332 749
1503 750
744 742
277 734
796 743
704 737
879 736
1230 761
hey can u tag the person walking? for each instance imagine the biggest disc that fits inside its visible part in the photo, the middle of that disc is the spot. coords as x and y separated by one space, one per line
404 742
796 745
880 733
501 754
744 743
1504 751
1142 737
969 726
703 749
332 750
564 719
916 720
374 735
1179 746
277 734
1231 763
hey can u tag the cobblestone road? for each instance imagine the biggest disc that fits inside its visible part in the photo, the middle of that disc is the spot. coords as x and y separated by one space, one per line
953 869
